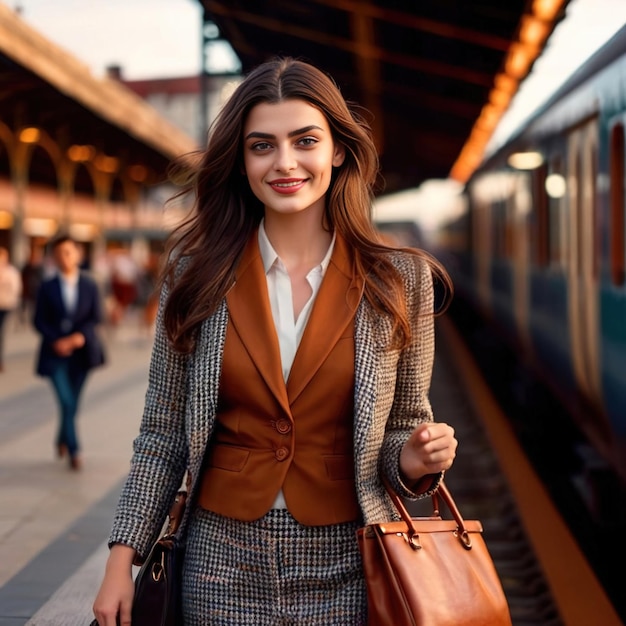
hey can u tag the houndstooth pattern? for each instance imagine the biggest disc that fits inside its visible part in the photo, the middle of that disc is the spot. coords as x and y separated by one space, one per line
272 572
390 399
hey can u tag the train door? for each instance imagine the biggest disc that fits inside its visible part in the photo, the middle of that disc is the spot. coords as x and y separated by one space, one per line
520 209
582 261
481 245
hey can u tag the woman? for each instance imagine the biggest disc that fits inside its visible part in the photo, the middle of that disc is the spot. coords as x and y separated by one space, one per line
291 367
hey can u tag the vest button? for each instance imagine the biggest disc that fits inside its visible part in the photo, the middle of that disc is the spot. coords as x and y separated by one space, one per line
283 426
282 454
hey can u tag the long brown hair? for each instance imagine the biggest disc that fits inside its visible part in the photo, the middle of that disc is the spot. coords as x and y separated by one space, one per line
226 212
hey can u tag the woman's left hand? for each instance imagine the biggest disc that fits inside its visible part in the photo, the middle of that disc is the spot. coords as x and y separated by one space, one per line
430 449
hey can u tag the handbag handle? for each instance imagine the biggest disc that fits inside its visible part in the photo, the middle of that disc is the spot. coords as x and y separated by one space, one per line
177 510
446 496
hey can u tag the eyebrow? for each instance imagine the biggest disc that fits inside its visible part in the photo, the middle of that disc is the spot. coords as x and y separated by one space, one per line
293 133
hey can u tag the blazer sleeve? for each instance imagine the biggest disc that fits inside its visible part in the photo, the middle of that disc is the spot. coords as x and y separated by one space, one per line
160 451
411 404
87 321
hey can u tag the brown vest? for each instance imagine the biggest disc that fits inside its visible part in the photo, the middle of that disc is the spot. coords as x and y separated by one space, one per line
298 436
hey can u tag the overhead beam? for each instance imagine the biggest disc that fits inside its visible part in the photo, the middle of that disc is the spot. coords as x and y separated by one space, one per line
368 68
427 100
425 66
433 27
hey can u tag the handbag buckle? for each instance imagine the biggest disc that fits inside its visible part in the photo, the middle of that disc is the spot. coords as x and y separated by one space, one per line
158 569
464 538
413 540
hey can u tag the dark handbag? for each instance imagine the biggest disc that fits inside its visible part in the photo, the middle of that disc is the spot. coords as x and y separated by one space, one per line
429 571
157 600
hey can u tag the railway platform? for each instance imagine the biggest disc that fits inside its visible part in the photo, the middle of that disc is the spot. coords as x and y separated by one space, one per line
54 522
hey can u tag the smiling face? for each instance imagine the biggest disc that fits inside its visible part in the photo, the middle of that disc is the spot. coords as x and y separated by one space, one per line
289 153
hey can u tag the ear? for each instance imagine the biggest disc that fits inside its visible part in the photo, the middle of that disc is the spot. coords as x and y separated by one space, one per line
339 155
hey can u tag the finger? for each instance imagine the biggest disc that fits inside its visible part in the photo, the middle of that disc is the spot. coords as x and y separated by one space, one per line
421 433
441 437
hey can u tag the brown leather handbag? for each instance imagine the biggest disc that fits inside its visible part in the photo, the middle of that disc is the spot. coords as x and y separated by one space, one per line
427 571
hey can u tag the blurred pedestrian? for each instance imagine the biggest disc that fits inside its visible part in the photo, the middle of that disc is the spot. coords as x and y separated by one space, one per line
10 290
67 313
32 275
290 370
124 278
147 294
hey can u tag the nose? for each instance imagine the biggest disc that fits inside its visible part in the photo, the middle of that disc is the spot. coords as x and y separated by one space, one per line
285 160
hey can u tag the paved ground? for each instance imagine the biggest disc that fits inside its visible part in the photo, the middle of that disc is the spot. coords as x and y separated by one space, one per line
54 522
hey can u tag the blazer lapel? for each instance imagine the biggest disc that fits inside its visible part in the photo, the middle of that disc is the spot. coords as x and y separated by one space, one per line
334 308
251 315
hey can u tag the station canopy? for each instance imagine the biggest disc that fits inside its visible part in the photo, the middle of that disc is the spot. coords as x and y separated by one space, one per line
50 94
436 76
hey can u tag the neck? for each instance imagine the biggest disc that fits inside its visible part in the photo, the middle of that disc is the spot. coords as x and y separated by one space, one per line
298 239
69 273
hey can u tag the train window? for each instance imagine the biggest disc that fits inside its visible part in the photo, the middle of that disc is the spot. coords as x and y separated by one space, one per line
542 216
617 225
555 186
591 178
499 229
578 216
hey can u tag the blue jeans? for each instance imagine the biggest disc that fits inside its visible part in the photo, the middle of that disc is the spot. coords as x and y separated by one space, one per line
3 316
68 383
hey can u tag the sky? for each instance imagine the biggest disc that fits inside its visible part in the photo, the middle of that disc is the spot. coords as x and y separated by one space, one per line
147 38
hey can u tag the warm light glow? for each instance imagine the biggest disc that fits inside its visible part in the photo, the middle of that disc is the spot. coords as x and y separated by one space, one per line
489 117
107 164
535 27
546 10
533 31
30 135
519 60
83 232
556 185
138 173
80 154
39 227
499 98
479 136
504 82
525 160
6 220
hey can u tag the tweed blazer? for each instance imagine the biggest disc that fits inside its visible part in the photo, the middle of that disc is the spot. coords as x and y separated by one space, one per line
390 400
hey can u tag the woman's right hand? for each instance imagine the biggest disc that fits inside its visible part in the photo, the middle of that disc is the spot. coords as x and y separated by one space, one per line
115 596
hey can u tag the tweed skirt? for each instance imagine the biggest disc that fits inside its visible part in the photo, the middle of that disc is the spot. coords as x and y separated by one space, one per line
272 572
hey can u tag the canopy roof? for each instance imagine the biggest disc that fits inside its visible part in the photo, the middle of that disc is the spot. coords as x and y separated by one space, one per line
436 76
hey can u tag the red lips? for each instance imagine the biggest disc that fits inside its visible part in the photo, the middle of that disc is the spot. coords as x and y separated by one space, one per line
287 185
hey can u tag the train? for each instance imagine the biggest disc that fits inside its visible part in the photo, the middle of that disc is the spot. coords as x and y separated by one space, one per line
540 251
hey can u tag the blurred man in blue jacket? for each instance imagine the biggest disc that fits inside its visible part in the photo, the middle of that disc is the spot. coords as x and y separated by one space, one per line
67 313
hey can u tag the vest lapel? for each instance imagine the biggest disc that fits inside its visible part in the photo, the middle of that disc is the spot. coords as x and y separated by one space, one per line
334 308
251 316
